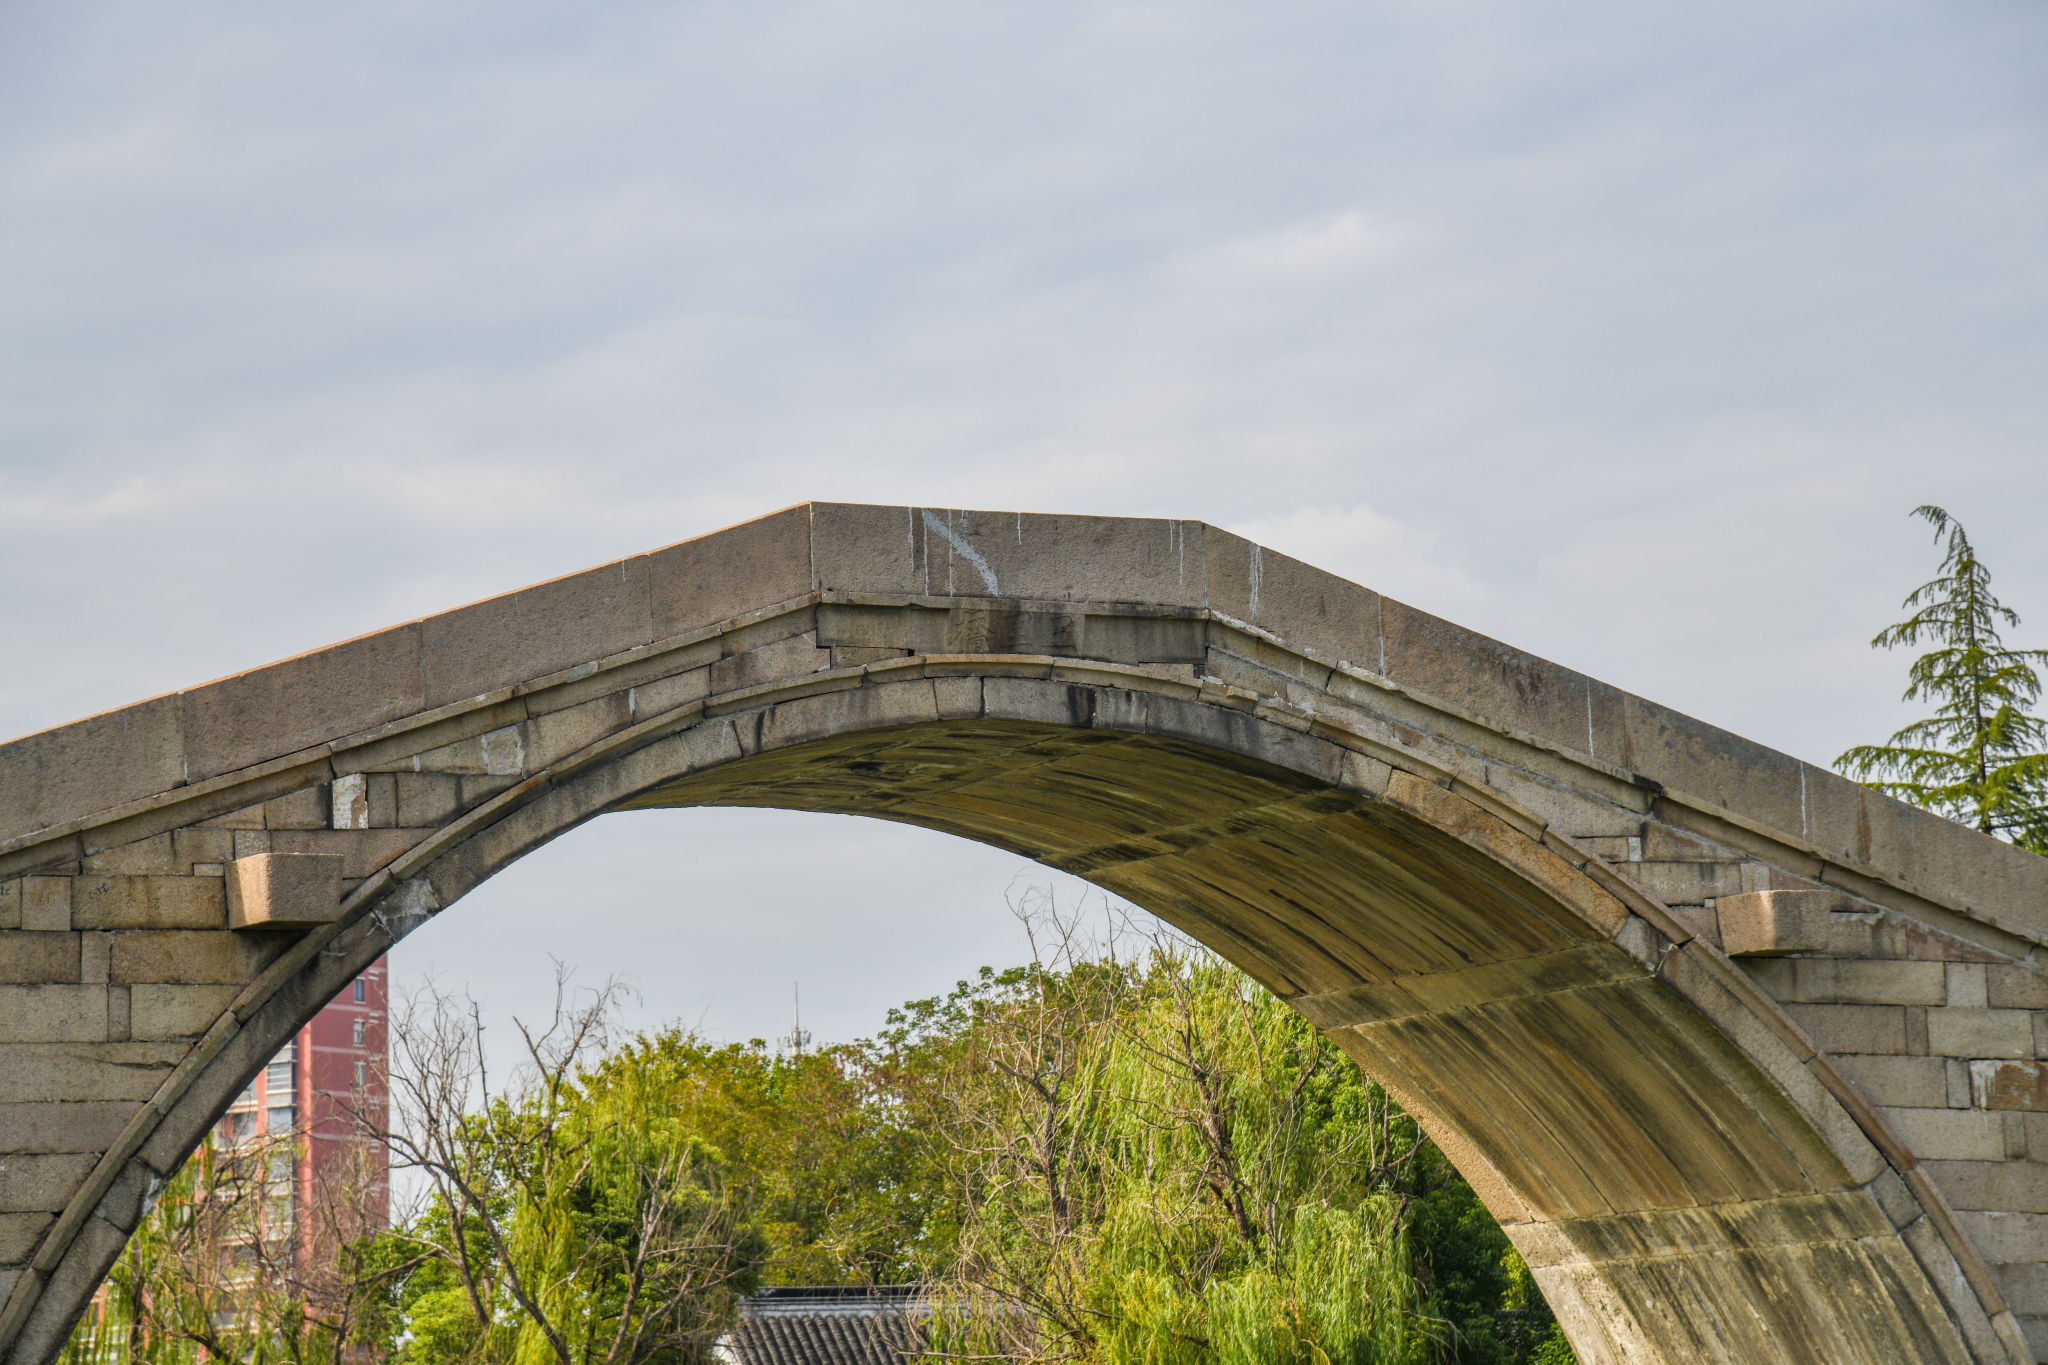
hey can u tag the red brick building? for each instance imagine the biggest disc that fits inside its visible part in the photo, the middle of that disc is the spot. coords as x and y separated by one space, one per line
322 1086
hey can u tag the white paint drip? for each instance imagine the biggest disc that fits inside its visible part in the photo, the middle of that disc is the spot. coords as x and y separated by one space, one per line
964 550
1257 572
1589 720
1805 832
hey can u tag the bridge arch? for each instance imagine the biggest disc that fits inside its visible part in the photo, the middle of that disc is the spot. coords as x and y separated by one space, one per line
1456 888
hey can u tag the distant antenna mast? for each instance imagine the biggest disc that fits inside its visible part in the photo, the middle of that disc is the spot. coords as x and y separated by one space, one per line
798 1039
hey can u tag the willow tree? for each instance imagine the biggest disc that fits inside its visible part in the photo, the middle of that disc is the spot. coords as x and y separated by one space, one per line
1979 759
1161 1164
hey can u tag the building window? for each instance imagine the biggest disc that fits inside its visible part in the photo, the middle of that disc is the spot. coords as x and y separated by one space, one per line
279 1118
359 1033
277 1078
359 990
361 1070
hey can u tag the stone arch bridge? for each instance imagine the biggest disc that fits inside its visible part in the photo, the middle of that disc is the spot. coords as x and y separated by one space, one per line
1742 1055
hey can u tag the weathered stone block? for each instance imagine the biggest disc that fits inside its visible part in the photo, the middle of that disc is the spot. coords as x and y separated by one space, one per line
1915 1082
1767 923
283 890
19 1233
427 799
1500 682
1005 626
904 703
158 1011
504 752
95 958
62 1127
191 847
1826 980
1064 558
27 957
2015 987
149 903
46 904
535 631
248 817
86 1071
10 905
2025 1286
90 765
670 693
300 702
1967 986
2009 1186
957 698
309 808
784 659
1980 1033
2007 1237
1663 844
912 629
350 797
1687 883
1999 883
550 738
185 957
141 858
742 568
362 852
53 1013
42 1184
1839 1029
1709 762
1144 639
1949 1134
380 791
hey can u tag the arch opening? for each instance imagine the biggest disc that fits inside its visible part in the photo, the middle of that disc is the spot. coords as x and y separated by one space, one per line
1672 1202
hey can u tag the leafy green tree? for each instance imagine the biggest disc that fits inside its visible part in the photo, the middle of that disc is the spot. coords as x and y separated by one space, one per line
575 1219
839 1185
1979 758
1157 1161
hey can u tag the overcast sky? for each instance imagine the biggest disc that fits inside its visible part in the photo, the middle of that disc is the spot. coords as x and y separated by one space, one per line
1626 333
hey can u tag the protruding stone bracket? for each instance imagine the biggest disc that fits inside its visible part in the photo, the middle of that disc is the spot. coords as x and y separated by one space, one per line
284 890
1776 923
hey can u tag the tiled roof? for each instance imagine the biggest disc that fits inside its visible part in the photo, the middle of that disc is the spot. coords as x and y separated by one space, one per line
829 1325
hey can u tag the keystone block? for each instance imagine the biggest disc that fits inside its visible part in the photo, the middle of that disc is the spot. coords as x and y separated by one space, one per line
284 890
1773 923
